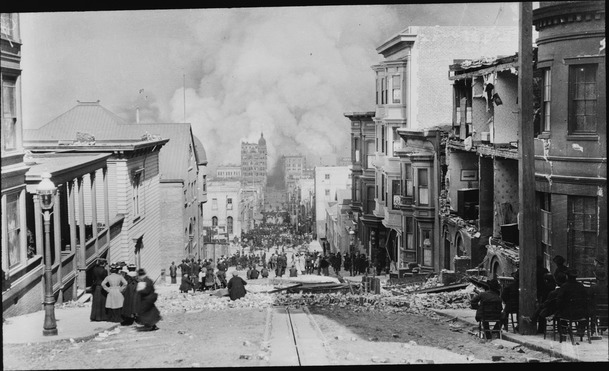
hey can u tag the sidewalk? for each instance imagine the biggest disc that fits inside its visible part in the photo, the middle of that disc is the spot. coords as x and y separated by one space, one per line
72 323
598 351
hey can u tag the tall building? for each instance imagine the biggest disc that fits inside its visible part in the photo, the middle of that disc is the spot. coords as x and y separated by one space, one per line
254 163
571 142
413 71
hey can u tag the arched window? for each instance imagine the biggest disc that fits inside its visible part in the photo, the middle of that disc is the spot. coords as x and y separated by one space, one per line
229 225
214 221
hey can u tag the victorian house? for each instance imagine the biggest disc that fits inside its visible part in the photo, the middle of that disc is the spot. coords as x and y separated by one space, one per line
571 140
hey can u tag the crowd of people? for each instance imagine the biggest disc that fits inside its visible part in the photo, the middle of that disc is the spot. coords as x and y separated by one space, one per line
122 293
559 294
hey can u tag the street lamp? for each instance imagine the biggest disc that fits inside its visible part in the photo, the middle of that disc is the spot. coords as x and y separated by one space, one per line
352 247
46 193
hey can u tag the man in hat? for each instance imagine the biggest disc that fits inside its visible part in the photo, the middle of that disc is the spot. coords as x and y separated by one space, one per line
561 268
510 297
572 300
488 307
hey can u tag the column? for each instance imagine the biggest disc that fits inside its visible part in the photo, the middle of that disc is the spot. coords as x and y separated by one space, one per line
106 201
72 223
57 242
82 266
38 225
94 210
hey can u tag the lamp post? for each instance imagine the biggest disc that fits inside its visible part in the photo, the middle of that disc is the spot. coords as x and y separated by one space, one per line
46 192
352 247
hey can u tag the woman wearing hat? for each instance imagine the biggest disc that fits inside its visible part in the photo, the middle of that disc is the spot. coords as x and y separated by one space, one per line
148 314
114 284
130 304
236 286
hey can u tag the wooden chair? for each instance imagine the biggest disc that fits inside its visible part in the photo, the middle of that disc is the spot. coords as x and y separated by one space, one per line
599 318
489 323
510 317
551 322
570 325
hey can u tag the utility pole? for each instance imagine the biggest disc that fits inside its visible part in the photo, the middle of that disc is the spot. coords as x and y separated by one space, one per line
526 172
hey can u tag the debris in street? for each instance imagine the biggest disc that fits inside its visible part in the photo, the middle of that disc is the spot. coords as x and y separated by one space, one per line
245 356
496 358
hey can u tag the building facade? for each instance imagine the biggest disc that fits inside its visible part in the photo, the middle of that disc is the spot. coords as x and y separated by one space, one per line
328 180
571 143
221 218
254 163
411 70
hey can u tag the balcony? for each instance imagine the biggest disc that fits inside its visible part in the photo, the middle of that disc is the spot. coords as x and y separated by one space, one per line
402 201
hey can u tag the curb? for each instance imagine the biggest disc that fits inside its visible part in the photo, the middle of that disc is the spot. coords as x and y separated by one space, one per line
528 345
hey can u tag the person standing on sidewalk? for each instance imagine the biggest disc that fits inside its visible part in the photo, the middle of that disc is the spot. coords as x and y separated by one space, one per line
114 284
148 315
173 272
98 298
129 312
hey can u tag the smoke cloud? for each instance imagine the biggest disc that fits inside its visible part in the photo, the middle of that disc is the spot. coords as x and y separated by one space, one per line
287 72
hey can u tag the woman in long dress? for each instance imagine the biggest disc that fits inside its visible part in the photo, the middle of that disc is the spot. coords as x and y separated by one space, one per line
129 312
148 314
98 300
114 284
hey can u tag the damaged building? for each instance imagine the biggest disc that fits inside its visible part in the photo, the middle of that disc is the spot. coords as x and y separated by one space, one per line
479 212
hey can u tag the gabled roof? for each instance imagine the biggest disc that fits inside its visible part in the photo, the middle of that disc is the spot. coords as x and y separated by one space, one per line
94 119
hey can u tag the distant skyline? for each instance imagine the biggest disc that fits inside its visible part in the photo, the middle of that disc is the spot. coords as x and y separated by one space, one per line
288 72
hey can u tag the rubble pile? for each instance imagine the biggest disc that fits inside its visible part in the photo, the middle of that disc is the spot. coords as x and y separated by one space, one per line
421 303
399 289
178 302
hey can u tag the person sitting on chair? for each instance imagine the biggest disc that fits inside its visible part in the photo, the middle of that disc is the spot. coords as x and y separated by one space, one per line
572 301
488 307
548 307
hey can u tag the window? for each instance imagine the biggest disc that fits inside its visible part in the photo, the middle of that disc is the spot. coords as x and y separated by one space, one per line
214 204
397 141
370 203
395 193
423 187
426 244
137 205
386 90
582 221
383 139
9 26
369 153
327 192
382 187
378 88
546 227
327 176
396 88
356 149
229 204
382 90
214 221
229 225
409 191
545 96
13 229
9 114
582 83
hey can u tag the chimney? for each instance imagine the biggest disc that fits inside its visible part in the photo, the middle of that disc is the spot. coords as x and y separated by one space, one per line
137 115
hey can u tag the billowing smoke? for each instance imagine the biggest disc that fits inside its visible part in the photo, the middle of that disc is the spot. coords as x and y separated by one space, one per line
289 73
276 178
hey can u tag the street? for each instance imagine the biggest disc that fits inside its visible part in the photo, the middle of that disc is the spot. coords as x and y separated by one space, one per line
207 331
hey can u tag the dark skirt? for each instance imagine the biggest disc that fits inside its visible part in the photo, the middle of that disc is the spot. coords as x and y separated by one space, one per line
173 279
98 304
149 315
114 315
129 304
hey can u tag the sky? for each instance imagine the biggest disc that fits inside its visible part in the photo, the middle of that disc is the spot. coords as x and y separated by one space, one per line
232 73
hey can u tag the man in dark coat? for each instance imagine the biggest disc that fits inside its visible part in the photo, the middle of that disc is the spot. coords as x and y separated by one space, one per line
173 272
488 306
236 286
572 300
254 273
149 315
98 300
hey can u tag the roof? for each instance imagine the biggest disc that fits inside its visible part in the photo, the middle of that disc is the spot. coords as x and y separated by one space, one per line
109 130
63 167
467 68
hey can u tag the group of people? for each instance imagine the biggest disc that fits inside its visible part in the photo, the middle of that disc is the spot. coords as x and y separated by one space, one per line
559 294
124 294
200 275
